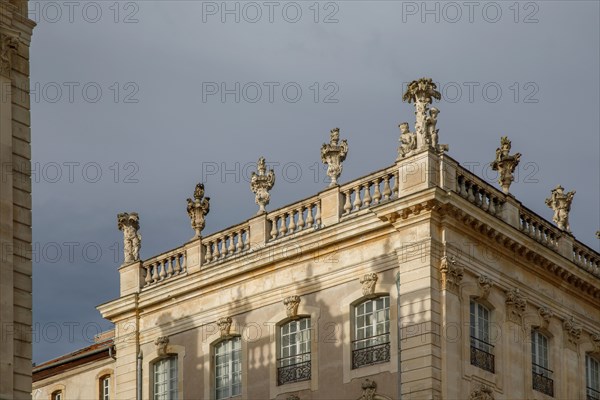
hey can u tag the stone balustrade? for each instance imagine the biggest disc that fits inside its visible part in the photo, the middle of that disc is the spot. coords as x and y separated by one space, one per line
162 267
586 258
478 192
225 244
538 229
298 217
339 202
370 191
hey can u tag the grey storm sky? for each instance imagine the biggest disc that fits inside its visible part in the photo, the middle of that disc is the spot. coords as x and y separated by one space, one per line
156 131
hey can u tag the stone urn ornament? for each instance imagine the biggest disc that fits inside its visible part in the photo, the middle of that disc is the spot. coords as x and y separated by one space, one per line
333 154
261 183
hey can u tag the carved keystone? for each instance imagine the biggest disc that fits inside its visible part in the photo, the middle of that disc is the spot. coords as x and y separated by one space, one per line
368 283
291 305
161 343
224 325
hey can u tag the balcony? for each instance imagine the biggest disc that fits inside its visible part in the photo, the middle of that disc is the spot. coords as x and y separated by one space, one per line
481 355
293 369
542 381
369 351
592 394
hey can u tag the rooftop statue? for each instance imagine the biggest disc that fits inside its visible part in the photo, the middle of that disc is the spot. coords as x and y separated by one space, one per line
334 154
197 209
505 164
560 202
261 183
129 223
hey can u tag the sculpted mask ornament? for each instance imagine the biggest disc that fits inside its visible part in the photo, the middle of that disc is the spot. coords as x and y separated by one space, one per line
573 330
224 325
560 202
369 389
546 314
485 285
516 304
261 183
334 154
197 209
596 340
452 273
484 392
129 223
422 92
368 284
291 305
505 164
161 345
9 43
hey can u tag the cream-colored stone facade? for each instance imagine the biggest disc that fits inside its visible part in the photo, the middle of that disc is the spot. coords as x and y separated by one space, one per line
15 201
423 237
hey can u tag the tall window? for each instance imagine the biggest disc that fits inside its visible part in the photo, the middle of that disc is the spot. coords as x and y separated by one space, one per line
371 343
482 351
542 375
294 361
592 377
105 388
228 368
165 379
57 395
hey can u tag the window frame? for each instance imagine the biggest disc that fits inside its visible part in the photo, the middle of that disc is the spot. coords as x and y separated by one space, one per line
229 352
303 358
57 395
481 349
361 342
592 391
172 382
104 389
541 373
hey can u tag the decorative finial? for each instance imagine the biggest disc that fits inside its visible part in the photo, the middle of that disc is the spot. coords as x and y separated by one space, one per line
129 223
505 164
261 183
422 92
334 154
560 202
197 209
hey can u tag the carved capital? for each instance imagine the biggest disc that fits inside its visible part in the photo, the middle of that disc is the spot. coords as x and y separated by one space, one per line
9 43
224 325
334 154
452 274
197 209
291 305
368 282
516 304
572 332
485 285
483 392
595 338
129 224
161 344
260 184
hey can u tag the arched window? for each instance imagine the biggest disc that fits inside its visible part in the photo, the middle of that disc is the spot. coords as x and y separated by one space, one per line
592 377
371 344
228 368
165 378
57 395
105 387
541 373
293 364
482 351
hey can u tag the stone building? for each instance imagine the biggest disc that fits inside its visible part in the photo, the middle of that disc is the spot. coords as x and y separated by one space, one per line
15 201
418 281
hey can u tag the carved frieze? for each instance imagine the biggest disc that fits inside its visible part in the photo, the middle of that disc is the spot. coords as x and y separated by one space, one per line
291 305
452 274
368 282
516 304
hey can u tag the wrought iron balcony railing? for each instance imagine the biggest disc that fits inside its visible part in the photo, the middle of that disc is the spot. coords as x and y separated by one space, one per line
592 394
369 351
481 354
293 369
542 381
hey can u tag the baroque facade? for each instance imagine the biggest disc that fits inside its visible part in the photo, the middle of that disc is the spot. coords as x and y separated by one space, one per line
418 281
15 201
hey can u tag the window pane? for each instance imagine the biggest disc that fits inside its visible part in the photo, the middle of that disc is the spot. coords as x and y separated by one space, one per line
228 368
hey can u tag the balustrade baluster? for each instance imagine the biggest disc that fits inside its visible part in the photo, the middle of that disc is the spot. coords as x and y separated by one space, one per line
309 216
347 205
357 202
301 218
208 256
148 277
240 241
377 193
183 262
169 265
162 273
274 227
217 252
177 264
367 196
395 191
284 228
292 226
386 188
231 247
318 214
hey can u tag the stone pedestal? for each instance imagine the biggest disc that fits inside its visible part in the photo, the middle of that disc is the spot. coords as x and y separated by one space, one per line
131 278
331 206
